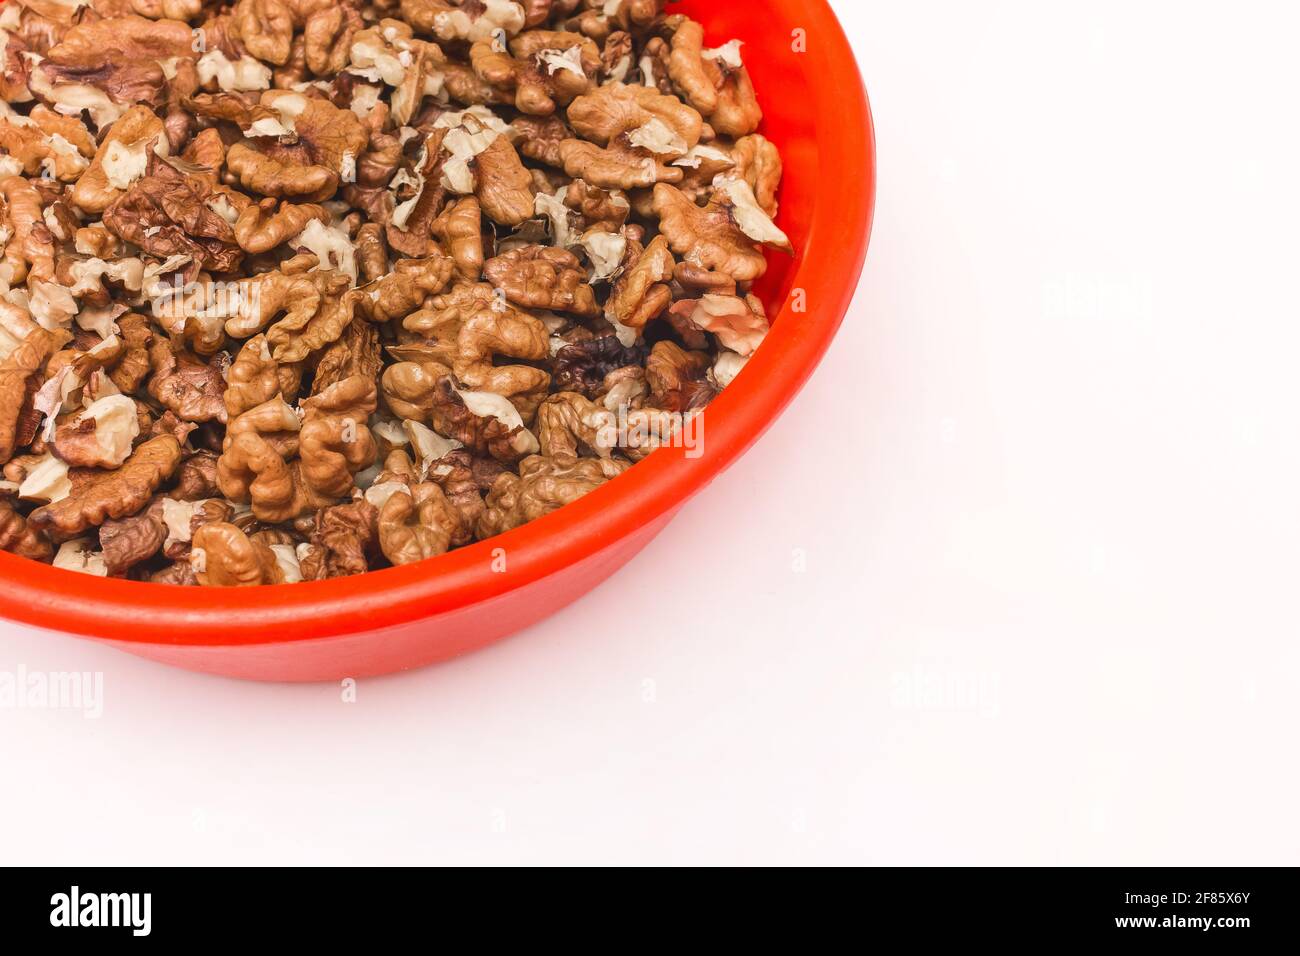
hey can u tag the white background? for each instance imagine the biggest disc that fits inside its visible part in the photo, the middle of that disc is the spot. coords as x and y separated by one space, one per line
1043 493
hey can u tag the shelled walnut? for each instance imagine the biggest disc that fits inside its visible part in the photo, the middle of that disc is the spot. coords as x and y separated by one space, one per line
298 289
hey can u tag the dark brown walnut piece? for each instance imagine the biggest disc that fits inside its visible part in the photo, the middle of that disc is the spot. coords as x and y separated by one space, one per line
465 478
583 366
344 541
186 385
196 478
170 213
128 541
678 379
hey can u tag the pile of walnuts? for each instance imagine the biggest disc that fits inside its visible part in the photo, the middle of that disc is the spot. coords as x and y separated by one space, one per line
293 289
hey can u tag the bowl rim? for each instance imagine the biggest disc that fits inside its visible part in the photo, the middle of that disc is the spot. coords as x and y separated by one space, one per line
826 270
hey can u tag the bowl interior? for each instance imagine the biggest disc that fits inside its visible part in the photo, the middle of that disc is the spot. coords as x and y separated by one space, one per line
816 113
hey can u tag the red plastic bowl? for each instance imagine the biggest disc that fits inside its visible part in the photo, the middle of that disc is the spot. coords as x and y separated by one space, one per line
816 112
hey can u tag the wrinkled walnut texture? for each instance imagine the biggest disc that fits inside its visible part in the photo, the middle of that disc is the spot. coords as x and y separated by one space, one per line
298 289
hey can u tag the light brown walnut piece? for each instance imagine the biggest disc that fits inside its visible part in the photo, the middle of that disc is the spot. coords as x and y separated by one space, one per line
620 166
62 223
405 289
357 352
599 208
224 556
492 333
642 292
541 277
425 76
634 15
624 387
302 150
678 379
540 138
335 442
542 68
186 385
124 35
18 537
120 159
265 27
16 323
254 377
616 56
417 524
661 124
254 465
653 65
372 252
264 225
274 422
122 57
99 495
543 485
344 541
327 37
416 196
153 9
439 323
537 12
697 280
470 20
262 298
297 335
481 421
571 424
708 237
740 324
504 186
20 376
388 53
168 423
459 227
465 87
758 162
313 309
128 541
47 143
469 328
206 153
15 70
97 242
100 435
715 82
30 249
184 517
409 388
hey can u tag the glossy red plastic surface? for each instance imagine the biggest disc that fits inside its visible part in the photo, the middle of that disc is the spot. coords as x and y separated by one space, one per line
817 113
